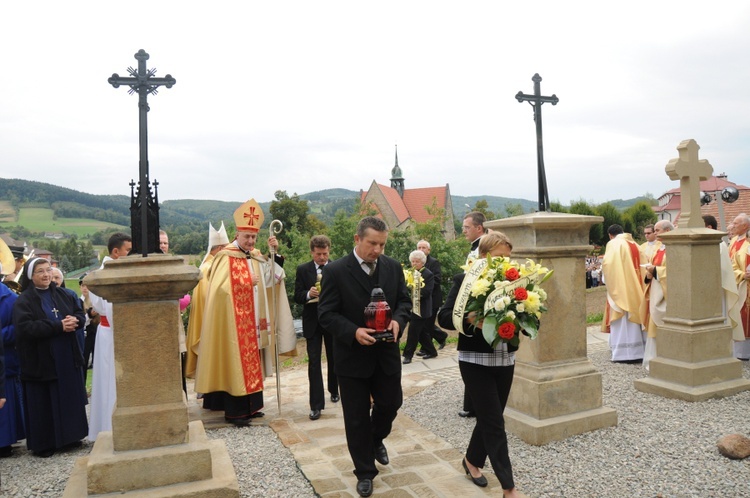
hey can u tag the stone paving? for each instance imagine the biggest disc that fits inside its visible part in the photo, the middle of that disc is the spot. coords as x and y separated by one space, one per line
421 463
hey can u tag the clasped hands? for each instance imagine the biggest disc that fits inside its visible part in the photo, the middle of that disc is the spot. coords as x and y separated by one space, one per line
69 323
364 337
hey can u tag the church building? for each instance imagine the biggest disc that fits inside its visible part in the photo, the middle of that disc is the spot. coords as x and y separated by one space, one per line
401 207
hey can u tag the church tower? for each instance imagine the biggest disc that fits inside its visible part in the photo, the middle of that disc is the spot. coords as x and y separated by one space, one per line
397 178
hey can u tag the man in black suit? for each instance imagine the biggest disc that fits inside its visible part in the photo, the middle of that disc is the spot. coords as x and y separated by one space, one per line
433 265
366 368
306 292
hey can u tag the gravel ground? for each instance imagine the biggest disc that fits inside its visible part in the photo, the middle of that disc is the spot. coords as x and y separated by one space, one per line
264 467
660 447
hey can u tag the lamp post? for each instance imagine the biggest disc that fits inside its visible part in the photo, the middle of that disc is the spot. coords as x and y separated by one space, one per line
728 195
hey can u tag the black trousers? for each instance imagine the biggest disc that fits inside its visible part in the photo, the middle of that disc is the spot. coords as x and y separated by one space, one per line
489 388
315 371
437 333
88 345
366 428
419 331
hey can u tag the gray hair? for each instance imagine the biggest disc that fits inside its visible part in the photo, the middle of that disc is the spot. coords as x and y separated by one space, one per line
665 225
425 242
418 255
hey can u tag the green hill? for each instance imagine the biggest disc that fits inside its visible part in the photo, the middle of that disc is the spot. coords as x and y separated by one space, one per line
49 208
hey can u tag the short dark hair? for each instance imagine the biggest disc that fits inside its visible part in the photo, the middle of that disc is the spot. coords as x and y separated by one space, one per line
319 241
116 240
649 227
615 229
370 222
477 218
710 221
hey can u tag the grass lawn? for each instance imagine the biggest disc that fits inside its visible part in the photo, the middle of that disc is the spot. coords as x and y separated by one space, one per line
41 220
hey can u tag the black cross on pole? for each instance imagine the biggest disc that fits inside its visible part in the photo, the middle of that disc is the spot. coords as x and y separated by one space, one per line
142 81
536 102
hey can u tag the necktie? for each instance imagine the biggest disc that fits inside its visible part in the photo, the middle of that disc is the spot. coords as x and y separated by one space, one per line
370 266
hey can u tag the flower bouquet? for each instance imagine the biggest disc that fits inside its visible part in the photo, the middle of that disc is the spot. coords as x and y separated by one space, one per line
414 282
506 297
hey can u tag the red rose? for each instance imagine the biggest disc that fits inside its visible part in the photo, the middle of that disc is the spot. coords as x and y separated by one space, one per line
521 294
512 274
506 331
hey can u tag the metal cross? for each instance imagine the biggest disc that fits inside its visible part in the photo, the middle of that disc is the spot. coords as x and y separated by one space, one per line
55 311
143 82
536 100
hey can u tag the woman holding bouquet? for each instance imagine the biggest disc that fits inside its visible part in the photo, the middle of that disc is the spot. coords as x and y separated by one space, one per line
487 373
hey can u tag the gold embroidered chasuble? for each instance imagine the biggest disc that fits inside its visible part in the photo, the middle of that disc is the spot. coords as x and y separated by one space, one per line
623 278
195 322
654 304
738 253
238 323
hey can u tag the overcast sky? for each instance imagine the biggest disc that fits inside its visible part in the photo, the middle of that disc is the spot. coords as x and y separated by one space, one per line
304 96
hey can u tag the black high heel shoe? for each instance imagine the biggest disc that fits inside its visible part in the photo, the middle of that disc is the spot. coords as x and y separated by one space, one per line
480 481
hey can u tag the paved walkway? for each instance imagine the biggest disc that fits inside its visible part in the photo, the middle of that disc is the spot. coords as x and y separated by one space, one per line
421 463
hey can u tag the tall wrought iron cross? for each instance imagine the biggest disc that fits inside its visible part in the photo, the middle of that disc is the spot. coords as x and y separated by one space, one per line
536 100
143 82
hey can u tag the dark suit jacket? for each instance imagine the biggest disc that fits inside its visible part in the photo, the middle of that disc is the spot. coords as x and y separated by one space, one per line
425 300
345 293
307 275
433 265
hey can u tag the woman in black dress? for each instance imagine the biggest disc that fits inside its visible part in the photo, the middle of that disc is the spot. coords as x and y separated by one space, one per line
46 320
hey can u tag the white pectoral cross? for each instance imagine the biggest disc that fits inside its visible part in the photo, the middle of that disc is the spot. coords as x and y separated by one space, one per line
55 311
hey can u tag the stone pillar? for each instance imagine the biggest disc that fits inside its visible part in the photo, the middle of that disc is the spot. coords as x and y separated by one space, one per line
694 358
152 447
556 390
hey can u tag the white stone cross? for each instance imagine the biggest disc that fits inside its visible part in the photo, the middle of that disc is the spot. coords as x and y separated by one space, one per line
690 171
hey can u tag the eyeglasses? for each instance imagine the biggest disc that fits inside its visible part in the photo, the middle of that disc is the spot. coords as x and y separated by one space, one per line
42 271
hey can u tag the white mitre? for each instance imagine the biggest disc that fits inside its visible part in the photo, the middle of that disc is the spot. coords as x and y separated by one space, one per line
216 238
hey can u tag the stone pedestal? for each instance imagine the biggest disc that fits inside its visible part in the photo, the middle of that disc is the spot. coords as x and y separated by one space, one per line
694 358
152 451
556 390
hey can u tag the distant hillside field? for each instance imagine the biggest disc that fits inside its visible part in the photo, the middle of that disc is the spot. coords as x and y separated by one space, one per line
7 213
41 220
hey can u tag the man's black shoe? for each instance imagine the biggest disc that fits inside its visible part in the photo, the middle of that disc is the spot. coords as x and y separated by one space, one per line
466 414
314 414
421 353
429 356
364 487
335 398
406 360
257 415
381 454
441 345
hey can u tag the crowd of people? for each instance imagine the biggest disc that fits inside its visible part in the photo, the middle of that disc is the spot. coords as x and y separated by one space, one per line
52 337
636 280
240 317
